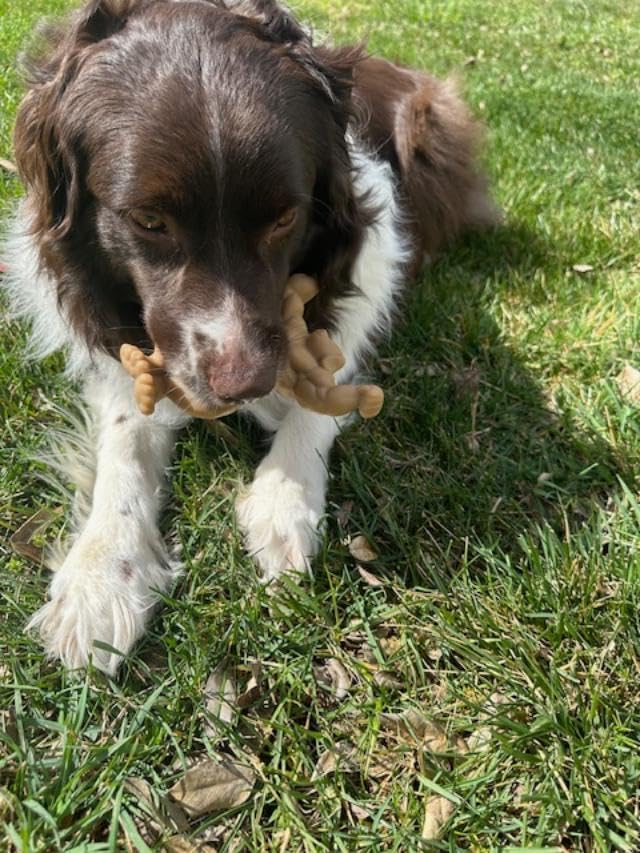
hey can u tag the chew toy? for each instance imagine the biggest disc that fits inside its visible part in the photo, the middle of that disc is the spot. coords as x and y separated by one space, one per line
308 377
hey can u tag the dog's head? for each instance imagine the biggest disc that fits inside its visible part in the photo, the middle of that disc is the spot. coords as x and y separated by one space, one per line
182 158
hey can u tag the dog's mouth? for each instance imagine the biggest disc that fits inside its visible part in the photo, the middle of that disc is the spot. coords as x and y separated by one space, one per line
208 407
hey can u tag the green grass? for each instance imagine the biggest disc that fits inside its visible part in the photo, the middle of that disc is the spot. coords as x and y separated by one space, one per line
499 488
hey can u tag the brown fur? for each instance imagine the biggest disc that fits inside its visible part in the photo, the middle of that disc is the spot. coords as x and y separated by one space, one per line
189 107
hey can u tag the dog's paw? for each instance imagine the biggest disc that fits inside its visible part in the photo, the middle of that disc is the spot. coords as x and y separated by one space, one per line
280 519
103 591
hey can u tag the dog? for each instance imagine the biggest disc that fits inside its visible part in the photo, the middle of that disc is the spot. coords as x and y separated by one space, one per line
182 158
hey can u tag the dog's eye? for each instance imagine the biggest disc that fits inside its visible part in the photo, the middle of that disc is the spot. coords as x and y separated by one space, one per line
148 220
285 222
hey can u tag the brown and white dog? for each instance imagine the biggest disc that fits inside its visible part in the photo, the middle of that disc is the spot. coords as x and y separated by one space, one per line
182 158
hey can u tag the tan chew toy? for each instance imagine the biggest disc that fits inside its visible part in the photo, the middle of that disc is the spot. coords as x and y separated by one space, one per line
308 377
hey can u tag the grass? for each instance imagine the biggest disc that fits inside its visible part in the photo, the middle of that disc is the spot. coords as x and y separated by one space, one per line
499 488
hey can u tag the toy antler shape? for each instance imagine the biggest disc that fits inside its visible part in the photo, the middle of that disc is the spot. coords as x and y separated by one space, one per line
308 377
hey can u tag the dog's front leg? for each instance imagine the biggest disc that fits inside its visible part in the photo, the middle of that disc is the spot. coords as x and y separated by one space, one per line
107 584
281 510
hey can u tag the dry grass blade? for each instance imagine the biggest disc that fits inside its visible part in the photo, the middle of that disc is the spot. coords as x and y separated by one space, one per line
360 548
437 812
220 700
22 540
213 786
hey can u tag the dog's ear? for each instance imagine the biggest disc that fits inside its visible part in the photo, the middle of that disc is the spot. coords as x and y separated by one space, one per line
45 156
277 20
342 214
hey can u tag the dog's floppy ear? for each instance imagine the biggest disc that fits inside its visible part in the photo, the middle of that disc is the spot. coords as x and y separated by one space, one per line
341 215
45 155
276 19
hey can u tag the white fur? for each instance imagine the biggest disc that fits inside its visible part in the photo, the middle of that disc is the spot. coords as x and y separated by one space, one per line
281 511
32 296
105 587
223 329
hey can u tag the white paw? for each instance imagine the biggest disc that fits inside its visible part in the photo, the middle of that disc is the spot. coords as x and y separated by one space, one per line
280 519
104 590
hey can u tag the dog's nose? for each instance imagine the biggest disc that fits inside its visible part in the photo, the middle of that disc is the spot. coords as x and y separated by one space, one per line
233 383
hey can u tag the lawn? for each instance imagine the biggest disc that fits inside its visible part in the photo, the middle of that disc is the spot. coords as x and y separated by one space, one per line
477 685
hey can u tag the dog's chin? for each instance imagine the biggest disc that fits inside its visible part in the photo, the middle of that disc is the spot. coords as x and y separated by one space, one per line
201 405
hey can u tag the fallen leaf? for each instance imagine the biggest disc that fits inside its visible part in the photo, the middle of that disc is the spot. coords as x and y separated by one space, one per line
369 578
467 380
386 764
22 540
163 814
391 645
629 383
8 166
333 674
253 690
386 678
437 812
344 513
582 268
358 813
361 550
182 844
220 700
413 727
341 755
479 739
212 786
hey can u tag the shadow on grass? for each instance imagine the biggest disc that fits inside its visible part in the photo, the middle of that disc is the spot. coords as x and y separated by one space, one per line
471 451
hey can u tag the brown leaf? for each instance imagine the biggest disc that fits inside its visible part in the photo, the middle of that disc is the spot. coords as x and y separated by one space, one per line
220 700
253 690
413 727
629 383
467 380
479 739
387 764
341 755
22 540
344 513
333 674
213 786
437 812
369 578
182 844
386 678
361 550
163 814
358 813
